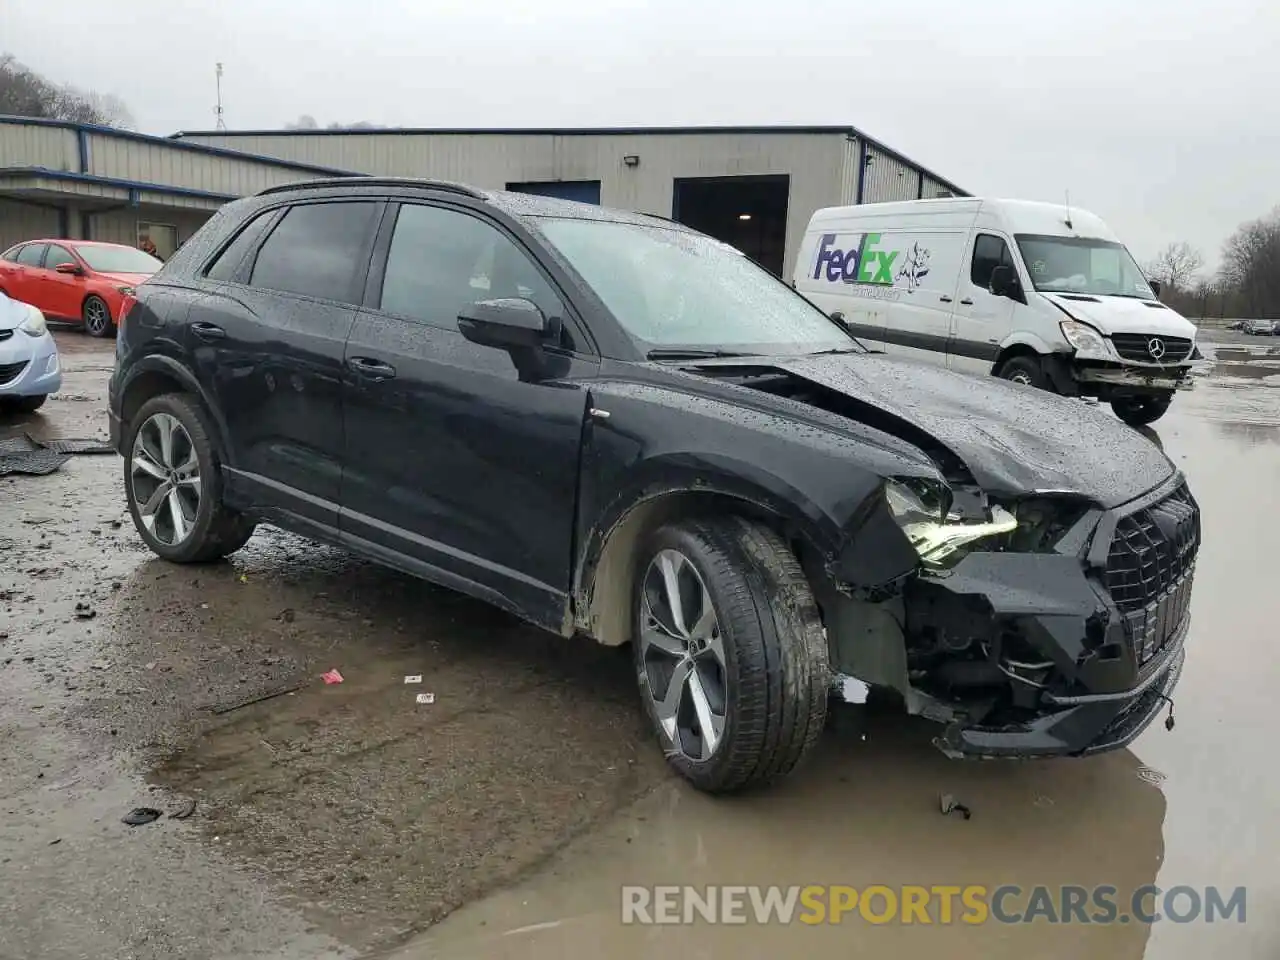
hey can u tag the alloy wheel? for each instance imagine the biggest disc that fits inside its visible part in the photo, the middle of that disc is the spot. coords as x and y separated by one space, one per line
96 317
682 655
164 478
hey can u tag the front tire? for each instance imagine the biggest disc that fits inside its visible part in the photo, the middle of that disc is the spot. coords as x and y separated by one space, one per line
1140 411
1025 370
97 317
730 653
173 483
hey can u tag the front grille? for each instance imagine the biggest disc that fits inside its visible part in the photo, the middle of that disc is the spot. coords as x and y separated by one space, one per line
1150 567
1148 348
10 371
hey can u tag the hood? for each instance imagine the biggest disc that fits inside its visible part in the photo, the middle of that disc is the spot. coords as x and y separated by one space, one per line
12 312
126 279
1124 314
1014 440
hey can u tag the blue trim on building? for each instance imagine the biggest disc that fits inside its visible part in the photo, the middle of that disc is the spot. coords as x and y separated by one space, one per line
135 187
84 129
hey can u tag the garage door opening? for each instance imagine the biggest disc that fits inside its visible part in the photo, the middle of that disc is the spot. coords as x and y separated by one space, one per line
748 212
583 191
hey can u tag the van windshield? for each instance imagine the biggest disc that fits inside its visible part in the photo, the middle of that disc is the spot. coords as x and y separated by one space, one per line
1082 265
675 291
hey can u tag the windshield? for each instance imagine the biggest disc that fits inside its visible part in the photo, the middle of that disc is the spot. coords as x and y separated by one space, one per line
118 260
1081 265
675 291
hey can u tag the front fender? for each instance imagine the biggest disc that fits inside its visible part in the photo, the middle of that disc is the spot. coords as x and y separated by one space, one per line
1025 338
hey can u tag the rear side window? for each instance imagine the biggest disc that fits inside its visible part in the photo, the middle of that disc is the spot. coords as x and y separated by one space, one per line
989 252
30 255
317 251
441 261
227 265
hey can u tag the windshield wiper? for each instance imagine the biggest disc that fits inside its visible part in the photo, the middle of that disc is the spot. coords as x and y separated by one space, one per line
824 353
677 353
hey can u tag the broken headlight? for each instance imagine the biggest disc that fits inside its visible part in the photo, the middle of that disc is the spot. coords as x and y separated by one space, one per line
921 510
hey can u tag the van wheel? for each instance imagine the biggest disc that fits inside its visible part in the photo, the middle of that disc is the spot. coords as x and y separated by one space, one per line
1139 411
1024 370
729 652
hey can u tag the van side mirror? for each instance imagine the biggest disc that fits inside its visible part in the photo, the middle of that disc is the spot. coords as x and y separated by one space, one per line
1004 282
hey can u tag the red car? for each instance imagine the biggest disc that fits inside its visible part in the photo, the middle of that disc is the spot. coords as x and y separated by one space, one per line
75 280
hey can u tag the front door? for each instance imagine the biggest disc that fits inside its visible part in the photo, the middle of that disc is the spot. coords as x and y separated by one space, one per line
64 292
452 460
268 344
982 320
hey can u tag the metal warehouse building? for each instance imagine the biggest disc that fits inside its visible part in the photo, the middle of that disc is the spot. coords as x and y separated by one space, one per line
754 187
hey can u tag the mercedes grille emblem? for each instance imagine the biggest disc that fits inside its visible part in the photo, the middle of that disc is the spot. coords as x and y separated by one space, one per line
1155 347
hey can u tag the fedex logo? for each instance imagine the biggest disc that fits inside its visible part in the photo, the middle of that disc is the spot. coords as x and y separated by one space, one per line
865 264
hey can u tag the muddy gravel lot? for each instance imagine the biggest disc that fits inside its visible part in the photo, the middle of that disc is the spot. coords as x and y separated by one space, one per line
306 819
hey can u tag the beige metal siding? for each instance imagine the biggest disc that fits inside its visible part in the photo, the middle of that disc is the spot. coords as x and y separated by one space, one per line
37 145
933 189
121 226
814 162
888 178
163 163
24 221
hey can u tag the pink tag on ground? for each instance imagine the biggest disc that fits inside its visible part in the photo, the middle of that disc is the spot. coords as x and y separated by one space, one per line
333 676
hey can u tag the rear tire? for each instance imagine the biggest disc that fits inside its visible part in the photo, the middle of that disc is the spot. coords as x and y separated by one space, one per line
1140 411
181 516
28 404
97 317
755 669
1025 370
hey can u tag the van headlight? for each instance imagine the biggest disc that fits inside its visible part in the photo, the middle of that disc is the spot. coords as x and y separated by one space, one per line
34 325
919 508
1085 339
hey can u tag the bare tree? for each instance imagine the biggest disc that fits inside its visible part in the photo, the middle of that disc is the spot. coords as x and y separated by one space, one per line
1251 267
304 122
25 93
1176 266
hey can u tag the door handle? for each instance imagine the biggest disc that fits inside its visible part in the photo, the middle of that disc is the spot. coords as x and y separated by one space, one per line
373 369
208 331
966 302
944 298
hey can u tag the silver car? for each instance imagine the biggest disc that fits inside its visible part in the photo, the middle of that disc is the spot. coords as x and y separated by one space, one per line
1261 328
29 369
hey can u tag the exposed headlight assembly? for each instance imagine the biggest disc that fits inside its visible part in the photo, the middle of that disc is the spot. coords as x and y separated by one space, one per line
127 291
34 325
1085 339
919 508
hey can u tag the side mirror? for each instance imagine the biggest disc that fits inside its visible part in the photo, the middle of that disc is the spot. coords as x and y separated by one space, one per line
1155 286
1004 282
508 324
72 268
838 317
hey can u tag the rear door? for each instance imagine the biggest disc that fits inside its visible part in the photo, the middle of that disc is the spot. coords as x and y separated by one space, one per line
453 461
64 292
268 343
20 276
982 320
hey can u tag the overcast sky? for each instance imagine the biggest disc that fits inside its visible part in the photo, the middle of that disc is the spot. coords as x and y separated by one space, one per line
1161 116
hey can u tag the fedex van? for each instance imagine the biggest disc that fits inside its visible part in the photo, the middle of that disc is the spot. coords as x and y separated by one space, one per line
1038 293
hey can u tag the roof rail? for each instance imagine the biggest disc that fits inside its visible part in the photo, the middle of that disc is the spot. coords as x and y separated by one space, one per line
446 186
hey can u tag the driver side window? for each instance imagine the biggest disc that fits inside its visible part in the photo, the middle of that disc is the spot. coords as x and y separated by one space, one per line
442 260
989 252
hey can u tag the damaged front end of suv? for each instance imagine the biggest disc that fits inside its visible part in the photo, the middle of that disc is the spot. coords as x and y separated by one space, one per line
1031 627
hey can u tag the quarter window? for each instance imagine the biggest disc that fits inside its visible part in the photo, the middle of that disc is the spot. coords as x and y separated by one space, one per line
441 261
989 252
226 266
29 256
316 251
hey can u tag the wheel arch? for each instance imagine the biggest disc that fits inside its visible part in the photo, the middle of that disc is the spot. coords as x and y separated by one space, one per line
1021 344
606 574
158 374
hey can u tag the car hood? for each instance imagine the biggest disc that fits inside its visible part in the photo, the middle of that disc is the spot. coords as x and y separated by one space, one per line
1124 315
128 279
1014 440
